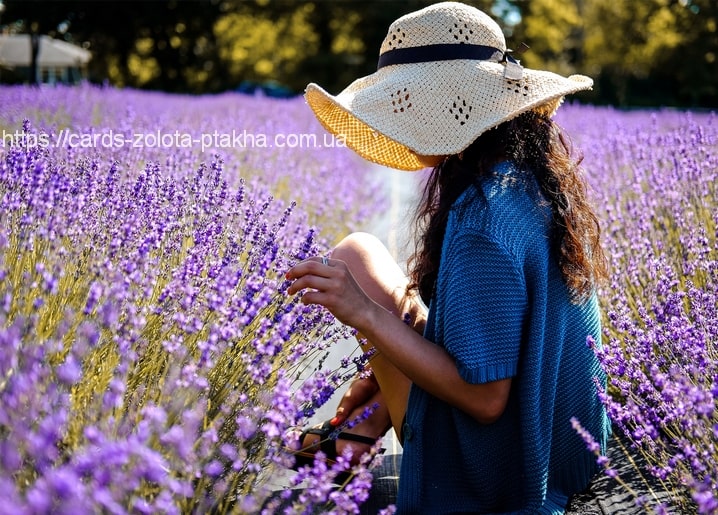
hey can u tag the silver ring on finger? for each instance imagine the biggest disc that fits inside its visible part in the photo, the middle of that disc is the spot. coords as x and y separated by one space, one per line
325 261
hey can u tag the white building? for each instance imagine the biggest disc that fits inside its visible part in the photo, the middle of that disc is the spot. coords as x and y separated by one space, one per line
57 60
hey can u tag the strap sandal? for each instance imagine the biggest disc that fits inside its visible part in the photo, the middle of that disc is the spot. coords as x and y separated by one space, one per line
327 443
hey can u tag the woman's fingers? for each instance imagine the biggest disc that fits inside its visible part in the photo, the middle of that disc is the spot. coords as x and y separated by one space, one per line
321 266
309 274
358 394
309 282
328 282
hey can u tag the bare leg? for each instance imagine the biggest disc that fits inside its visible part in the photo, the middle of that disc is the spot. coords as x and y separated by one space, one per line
382 279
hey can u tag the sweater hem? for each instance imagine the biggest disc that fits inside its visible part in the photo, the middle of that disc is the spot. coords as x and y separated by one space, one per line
488 373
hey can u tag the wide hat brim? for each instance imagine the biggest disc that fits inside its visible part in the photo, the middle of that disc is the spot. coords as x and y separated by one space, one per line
433 108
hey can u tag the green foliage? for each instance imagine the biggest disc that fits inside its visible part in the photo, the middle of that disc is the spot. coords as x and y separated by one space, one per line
259 48
641 52
551 28
647 52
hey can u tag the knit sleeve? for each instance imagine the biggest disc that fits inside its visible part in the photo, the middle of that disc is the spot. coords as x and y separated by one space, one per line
485 304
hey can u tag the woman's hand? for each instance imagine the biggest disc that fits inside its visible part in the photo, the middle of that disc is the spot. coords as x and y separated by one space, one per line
360 392
329 283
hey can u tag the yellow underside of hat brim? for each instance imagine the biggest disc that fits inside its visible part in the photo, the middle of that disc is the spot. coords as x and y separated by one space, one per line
357 135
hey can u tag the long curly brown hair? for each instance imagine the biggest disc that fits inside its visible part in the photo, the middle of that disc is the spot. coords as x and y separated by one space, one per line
537 144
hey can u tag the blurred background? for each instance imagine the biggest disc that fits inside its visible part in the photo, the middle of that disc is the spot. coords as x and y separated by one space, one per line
640 52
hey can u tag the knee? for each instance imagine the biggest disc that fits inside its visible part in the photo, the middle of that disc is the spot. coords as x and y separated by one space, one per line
372 265
358 246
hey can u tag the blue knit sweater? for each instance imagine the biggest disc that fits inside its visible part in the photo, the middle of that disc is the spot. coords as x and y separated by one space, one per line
501 309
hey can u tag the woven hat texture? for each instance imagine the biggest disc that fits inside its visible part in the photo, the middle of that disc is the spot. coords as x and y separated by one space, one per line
439 106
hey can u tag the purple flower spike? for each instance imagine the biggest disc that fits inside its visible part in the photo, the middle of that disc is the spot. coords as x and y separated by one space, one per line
654 184
151 359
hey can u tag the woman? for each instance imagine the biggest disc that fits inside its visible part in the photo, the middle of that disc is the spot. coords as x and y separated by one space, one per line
481 389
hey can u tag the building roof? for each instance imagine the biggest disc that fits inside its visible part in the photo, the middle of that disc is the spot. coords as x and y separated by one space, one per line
15 50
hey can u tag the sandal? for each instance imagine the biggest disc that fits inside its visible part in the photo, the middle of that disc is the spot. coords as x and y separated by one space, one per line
328 436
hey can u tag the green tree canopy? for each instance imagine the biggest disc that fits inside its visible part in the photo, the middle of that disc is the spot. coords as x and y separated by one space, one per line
640 52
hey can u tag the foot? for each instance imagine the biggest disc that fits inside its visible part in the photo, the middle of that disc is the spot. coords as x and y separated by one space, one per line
334 439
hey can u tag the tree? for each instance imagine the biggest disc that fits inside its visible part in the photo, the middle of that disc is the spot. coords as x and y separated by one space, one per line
162 46
626 45
654 52
553 31
640 52
692 65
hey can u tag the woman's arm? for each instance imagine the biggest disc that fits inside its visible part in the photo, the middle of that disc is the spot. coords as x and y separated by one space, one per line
427 365
431 368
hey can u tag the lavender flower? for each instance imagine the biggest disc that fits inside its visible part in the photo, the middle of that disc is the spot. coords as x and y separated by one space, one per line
151 359
654 178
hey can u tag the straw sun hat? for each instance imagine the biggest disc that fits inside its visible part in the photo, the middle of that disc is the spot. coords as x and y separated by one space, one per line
444 77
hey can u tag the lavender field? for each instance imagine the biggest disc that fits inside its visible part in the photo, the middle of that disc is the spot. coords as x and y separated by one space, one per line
150 360
654 176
